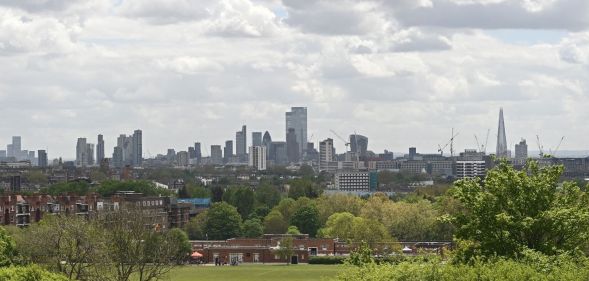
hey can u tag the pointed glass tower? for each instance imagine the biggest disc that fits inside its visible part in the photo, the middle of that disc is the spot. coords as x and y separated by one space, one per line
502 151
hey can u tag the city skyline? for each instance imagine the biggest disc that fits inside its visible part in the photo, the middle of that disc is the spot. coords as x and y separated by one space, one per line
394 71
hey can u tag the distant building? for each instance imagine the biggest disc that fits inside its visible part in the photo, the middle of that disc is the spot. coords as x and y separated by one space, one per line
502 151
171 155
521 152
16 148
297 119
359 144
216 155
257 157
42 158
81 153
100 149
197 151
292 146
356 181
241 143
256 138
412 153
278 153
182 158
267 142
90 154
228 152
326 154
471 164
137 148
3 155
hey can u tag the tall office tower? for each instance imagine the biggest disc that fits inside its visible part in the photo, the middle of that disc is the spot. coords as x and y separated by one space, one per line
31 156
297 120
191 153
197 151
216 155
358 144
257 157
16 146
81 153
9 150
171 155
256 138
326 154
267 142
521 150
3 154
117 157
292 146
228 151
137 148
502 151
241 142
100 149
127 150
90 153
42 158
278 153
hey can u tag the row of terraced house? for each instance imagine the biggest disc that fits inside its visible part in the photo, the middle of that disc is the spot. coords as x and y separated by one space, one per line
22 210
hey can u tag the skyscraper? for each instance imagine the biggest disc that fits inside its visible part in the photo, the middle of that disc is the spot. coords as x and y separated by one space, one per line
297 120
197 151
228 151
358 144
81 153
256 138
137 148
292 146
257 157
241 143
42 158
90 153
502 151
100 149
326 154
216 155
16 145
267 142
521 152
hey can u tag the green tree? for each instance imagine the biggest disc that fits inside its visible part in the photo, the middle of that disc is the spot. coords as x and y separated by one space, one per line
286 207
338 203
274 223
293 230
243 199
339 225
180 248
29 273
306 219
223 222
370 231
268 195
8 250
286 249
253 228
196 227
217 193
511 211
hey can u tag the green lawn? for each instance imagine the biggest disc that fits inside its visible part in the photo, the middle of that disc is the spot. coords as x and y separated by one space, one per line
256 273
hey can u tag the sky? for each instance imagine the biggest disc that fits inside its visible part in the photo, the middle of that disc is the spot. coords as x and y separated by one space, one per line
401 72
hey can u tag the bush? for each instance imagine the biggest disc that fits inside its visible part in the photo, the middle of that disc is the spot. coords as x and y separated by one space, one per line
327 260
29 273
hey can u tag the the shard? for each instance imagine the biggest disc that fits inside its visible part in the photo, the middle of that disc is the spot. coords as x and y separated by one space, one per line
502 151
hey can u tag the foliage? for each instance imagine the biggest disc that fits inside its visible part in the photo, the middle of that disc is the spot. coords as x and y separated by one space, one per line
511 211
8 252
361 256
223 222
109 188
78 188
217 193
242 198
181 245
268 195
253 228
303 188
197 191
339 225
327 260
306 219
293 230
338 203
274 223
285 249
437 270
195 228
29 273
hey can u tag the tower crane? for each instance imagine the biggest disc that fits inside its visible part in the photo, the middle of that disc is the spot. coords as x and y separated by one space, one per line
482 147
540 146
342 139
450 143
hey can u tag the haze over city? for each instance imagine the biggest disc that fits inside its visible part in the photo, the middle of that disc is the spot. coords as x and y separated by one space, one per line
395 71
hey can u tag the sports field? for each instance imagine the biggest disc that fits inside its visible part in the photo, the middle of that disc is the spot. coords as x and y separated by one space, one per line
256 273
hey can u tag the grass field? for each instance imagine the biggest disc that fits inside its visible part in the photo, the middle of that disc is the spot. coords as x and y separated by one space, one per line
256 273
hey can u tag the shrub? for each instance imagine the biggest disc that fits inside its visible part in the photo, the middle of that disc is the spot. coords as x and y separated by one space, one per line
327 260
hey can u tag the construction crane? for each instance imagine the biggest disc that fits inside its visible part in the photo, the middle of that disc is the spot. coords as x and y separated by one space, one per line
342 139
482 147
553 152
540 146
450 143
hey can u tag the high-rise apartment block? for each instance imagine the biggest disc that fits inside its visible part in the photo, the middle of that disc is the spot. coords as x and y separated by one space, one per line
296 119
257 157
100 149
42 158
326 154
228 151
137 148
82 152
